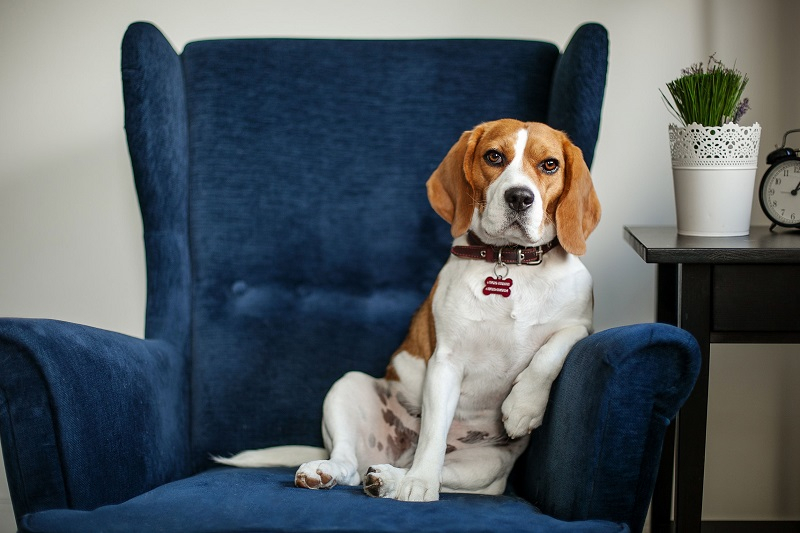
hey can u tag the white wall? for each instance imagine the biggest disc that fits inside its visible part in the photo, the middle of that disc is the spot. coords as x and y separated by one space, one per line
70 233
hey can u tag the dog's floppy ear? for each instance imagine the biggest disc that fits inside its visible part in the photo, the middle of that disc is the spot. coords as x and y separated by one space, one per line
450 191
578 211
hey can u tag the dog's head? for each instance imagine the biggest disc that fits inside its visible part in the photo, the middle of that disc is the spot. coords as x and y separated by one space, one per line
516 183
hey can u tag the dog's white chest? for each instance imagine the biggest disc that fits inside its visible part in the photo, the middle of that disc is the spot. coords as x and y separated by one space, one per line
493 338
537 295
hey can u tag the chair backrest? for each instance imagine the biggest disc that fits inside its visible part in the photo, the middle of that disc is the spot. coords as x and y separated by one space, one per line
282 186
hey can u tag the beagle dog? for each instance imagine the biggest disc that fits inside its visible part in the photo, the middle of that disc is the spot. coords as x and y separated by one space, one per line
471 381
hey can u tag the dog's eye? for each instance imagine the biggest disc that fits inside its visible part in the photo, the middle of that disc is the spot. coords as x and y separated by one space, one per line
494 158
549 166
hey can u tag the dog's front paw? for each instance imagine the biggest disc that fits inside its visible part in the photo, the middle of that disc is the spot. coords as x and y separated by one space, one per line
523 411
418 489
382 481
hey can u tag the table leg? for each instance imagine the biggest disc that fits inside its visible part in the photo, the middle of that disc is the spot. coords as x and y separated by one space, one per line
666 312
694 317
661 510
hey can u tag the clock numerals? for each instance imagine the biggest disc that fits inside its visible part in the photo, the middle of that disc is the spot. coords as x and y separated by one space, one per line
780 193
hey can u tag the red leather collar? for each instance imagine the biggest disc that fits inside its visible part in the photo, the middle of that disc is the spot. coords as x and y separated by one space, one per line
512 255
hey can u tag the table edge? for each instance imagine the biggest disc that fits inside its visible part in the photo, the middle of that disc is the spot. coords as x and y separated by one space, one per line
709 255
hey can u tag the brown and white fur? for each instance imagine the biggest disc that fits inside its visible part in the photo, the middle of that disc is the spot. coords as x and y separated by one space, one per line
472 378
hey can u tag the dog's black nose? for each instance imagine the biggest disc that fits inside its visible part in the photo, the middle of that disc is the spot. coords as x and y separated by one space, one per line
519 198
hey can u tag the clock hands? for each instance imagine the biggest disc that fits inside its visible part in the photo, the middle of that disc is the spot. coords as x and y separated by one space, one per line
794 191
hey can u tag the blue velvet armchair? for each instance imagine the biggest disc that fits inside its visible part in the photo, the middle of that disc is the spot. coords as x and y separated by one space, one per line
288 240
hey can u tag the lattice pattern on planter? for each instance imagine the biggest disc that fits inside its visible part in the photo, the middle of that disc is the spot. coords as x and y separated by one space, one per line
729 145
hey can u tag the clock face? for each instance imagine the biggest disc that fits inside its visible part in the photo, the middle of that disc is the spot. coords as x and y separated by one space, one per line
780 193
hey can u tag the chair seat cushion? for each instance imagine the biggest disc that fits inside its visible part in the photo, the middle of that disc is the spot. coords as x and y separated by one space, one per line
231 500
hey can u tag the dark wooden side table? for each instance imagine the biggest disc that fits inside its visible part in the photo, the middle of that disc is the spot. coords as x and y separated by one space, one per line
723 290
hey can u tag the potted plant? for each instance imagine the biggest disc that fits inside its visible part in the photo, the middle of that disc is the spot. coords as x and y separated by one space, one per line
714 159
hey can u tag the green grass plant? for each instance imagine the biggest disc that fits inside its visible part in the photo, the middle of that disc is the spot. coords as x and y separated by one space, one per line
710 95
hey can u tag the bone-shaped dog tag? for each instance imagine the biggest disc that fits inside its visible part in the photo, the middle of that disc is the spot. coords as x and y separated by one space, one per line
501 286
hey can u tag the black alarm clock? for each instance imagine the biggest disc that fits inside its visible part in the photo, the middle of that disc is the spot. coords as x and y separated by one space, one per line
779 192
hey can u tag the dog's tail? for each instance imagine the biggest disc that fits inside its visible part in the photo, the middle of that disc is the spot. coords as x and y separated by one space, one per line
277 456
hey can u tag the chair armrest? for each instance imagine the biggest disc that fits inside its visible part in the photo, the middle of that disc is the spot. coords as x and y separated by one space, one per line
82 408
596 454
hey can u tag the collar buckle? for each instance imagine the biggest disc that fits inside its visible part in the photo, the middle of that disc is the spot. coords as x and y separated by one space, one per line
521 257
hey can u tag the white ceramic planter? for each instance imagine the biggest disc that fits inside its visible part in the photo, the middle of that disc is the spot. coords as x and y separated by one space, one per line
714 171
713 202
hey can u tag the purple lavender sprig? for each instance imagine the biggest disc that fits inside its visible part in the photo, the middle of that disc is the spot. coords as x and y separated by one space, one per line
742 108
691 70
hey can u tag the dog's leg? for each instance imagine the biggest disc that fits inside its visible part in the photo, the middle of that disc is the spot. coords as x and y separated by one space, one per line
480 470
476 470
351 417
523 409
439 400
